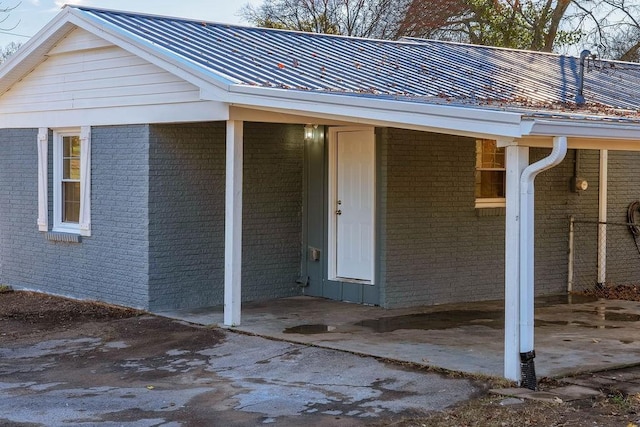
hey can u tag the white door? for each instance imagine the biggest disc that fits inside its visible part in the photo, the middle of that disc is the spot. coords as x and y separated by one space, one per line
353 204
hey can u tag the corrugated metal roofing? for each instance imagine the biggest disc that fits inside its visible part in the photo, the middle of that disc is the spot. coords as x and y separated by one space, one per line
414 70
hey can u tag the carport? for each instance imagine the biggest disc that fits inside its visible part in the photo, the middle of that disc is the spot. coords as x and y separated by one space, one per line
574 333
397 97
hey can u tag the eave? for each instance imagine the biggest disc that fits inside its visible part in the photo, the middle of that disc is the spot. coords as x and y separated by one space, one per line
462 121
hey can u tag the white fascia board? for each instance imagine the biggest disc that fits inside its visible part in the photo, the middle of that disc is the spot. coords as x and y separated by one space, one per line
193 73
436 118
203 111
581 129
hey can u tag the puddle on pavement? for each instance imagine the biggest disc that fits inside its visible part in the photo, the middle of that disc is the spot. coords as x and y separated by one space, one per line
622 317
579 324
613 316
493 319
552 300
309 329
436 321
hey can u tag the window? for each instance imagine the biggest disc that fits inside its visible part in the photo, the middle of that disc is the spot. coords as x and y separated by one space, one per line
71 181
490 174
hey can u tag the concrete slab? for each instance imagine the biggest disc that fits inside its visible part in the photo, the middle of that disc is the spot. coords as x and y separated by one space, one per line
574 392
523 393
511 401
555 395
631 375
573 334
162 372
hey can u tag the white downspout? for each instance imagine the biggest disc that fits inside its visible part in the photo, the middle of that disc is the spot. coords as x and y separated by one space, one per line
527 240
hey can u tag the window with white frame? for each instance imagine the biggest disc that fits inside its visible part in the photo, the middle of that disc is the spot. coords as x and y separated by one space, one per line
71 181
490 174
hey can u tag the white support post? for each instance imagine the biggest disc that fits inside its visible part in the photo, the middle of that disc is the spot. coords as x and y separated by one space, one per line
233 224
602 218
517 159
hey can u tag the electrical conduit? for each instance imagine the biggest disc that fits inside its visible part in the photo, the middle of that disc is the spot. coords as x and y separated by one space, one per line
527 353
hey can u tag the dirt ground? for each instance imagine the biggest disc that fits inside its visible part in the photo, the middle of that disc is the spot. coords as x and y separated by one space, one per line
27 319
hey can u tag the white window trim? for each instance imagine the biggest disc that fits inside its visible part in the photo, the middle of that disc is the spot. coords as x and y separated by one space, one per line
84 224
43 200
498 202
491 202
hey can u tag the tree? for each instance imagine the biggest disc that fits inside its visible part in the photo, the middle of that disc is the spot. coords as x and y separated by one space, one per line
5 13
360 18
534 25
8 50
610 28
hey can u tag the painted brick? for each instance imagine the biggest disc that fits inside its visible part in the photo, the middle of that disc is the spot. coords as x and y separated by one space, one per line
186 213
272 211
111 265
437 249
623 259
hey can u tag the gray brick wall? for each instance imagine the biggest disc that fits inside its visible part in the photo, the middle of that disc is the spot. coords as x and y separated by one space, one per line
272 214
186 215
623 260
186 207
111 265
438 248
554 204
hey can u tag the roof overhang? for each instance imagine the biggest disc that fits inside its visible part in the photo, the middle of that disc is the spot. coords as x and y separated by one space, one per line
582 128
463 121
510 127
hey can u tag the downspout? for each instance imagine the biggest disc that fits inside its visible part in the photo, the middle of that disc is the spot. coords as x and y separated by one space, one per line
527 353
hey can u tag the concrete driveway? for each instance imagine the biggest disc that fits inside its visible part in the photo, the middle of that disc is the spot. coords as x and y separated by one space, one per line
150 371
573 334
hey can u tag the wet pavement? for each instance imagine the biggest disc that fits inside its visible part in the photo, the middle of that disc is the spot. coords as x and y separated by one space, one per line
573 334
150 371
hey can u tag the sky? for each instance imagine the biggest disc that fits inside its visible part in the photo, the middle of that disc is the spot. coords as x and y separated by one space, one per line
31 15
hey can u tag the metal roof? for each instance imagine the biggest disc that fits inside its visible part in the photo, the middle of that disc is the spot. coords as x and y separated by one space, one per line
413 70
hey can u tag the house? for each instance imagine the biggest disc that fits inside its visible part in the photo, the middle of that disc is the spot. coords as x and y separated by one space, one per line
163 163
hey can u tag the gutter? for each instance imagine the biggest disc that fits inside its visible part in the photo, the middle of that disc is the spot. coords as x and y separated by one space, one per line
467 121
527 352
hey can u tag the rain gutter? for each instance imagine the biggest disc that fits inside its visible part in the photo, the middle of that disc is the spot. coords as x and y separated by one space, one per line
582 128
442 118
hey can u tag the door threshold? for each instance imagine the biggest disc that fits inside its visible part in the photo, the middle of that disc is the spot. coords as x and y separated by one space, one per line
347 280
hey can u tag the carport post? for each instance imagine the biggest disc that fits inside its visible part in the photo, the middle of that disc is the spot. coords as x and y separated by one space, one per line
516 160
233 224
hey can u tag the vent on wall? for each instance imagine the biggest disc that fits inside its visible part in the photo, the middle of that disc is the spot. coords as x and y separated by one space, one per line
64 237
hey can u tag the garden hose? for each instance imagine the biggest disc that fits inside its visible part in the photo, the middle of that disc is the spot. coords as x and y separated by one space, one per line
633 217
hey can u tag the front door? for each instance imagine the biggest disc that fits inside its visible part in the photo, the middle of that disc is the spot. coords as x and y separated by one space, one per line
352 205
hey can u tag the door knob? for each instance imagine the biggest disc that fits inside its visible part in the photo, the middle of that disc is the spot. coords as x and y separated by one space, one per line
338 212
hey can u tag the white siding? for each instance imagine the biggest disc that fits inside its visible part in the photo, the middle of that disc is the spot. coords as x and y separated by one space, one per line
84 72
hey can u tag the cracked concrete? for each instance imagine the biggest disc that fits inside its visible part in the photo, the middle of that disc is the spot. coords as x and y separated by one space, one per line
148 371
